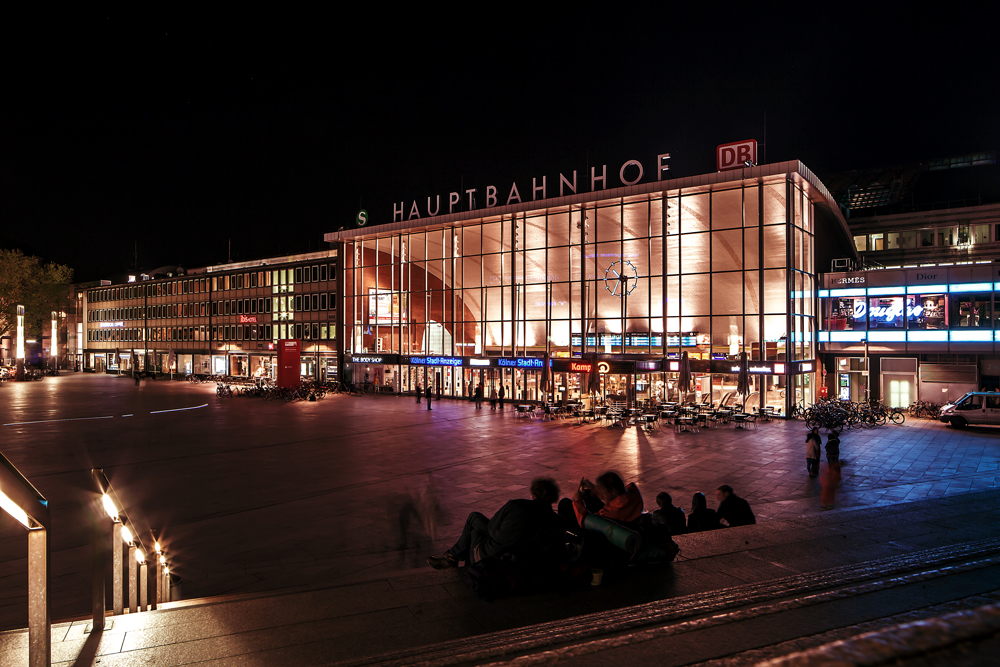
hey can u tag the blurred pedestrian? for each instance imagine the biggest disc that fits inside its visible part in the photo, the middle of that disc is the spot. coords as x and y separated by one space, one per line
479 395
831 480
418 392
427 395
493 397
813 443
501 395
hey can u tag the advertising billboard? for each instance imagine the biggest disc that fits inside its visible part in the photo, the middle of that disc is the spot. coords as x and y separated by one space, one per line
386 306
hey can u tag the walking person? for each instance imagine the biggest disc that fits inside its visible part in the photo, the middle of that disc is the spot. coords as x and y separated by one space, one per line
427 395
813 443
831 480
418 393
137 377
833 446
501 395
493 398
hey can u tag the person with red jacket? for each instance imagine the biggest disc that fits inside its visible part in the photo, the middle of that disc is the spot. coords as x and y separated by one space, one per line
608 497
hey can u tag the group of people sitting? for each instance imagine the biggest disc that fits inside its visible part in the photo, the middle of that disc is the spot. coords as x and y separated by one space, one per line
604 524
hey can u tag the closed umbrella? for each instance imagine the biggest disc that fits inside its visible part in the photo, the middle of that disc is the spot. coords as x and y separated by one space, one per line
743 382
684 383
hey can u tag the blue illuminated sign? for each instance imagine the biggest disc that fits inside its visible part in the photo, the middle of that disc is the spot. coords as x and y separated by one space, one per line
520 362
436 361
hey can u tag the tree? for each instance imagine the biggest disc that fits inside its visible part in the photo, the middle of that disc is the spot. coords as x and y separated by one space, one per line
40 288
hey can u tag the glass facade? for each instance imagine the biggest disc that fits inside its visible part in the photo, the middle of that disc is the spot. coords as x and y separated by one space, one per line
711 271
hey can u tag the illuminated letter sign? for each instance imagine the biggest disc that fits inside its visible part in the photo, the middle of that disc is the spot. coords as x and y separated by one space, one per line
603 367
578 367
248 319
529 362
736 154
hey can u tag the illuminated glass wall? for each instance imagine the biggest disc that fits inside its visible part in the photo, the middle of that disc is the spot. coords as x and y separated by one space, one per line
705 271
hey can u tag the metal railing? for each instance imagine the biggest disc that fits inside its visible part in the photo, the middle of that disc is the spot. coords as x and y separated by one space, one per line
21 500
148 582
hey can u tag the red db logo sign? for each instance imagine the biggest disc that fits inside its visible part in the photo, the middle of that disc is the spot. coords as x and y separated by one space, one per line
736 154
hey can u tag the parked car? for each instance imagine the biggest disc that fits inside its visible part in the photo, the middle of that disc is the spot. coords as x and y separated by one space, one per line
976 407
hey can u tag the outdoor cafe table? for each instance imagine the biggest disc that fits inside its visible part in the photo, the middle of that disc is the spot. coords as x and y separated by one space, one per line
741 418
526 410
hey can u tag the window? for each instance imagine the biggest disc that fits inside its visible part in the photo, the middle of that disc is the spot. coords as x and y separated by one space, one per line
322 301
846 314
298 331
981 234
971 310
315 301
946 236
860 243
298 274
876 242
926 311
885 312
322 272
298 303
315 274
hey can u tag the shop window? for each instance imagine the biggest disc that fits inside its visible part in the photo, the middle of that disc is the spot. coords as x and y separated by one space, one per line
846 314
876 242
971 310
926 311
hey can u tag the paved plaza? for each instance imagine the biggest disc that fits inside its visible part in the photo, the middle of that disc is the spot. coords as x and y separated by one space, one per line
253 495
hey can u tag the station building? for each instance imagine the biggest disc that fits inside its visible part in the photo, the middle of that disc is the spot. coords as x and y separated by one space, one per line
598 293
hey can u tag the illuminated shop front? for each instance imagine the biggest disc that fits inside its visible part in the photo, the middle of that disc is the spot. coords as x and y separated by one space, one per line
711 266
929 333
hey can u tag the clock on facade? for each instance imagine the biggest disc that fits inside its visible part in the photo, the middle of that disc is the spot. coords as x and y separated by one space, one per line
620 278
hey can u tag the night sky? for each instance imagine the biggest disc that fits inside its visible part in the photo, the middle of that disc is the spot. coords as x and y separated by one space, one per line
166 137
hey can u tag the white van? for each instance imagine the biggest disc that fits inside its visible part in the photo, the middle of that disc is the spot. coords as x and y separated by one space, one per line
976 407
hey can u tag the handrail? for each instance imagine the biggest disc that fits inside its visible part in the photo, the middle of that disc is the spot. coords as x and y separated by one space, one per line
20 499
